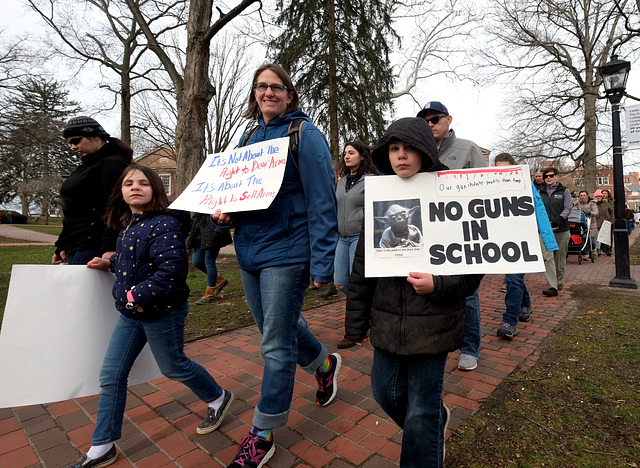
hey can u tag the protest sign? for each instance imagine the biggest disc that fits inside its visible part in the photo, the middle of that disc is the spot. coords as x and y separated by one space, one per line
57 324
632 118
452 222
242 179
604 233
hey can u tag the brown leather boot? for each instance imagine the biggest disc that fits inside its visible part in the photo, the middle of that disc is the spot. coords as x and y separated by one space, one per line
209 295
221 282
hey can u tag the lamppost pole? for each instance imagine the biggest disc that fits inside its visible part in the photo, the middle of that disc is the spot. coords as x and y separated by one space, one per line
623 277
614 77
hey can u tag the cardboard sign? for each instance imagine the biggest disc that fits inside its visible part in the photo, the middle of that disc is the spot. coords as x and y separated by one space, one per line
604 233
452 222
56 327
632 118
242 179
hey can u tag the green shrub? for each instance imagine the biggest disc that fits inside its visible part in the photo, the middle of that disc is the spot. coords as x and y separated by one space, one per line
16 218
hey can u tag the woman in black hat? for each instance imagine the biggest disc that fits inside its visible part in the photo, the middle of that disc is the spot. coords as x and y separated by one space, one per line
86 191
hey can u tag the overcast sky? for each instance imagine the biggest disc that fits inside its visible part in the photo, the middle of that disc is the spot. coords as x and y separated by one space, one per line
475 110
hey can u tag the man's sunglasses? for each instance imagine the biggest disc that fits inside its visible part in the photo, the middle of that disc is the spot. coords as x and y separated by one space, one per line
549 176
75 141
435 119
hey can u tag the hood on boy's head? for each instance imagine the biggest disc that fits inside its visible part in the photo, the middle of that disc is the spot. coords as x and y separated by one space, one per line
417 133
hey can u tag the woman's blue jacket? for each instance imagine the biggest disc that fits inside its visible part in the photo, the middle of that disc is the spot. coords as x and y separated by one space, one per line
301 223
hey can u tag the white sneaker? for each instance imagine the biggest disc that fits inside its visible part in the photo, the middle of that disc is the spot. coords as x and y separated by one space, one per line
467 362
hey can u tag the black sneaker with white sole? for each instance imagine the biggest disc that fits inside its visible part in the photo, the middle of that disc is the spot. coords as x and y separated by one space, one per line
105 460
213 419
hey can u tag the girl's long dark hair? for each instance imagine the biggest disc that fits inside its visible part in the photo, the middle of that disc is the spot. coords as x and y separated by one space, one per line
118 212
366 166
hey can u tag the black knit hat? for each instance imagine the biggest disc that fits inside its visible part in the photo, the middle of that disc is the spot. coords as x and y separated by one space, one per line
417 133
83 126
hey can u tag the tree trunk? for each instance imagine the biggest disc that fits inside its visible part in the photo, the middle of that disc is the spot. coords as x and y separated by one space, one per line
125 97
333 93
195 95
590 134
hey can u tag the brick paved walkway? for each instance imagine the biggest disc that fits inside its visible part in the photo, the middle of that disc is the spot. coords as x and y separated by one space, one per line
161 416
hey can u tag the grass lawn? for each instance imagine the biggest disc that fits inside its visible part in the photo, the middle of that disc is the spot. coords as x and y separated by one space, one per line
579 406
55 230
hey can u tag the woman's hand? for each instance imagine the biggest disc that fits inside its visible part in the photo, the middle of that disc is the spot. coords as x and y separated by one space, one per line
99 263
421 282
221 218
57 259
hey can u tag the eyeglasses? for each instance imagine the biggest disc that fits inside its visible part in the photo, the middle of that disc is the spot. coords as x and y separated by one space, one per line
549 176
75 141
435 119
276 88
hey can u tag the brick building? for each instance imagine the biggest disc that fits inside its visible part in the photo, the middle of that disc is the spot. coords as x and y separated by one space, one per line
163 161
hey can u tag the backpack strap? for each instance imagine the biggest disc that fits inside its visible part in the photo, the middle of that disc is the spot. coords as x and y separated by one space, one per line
249 134
294 132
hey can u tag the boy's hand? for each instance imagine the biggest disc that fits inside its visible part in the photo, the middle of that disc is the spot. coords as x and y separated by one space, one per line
421 282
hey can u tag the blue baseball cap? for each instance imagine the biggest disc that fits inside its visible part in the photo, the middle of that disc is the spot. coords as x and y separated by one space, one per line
433 107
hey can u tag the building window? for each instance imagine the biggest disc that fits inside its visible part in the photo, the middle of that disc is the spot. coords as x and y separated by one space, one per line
603 181
164 160
578 181
166 181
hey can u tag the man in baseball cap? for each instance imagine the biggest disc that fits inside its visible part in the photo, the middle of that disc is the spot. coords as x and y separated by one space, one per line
457 153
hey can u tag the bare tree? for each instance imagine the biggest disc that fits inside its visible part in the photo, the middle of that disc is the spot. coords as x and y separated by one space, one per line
433 41
156 113
15 61
551 50
194 88
105 32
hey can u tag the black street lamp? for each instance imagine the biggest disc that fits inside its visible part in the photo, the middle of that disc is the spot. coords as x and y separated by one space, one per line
614 76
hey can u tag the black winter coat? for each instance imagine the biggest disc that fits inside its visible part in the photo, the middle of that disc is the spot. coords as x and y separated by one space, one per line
84 198
206 235
403 321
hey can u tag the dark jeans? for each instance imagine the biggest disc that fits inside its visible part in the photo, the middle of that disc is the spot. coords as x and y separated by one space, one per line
409 390
82 257
165 336
516 298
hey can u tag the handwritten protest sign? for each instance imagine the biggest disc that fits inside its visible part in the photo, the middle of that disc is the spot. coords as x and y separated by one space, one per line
52 343
633 126
452 222
242 179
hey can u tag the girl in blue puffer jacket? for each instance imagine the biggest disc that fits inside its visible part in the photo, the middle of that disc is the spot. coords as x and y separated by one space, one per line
151 293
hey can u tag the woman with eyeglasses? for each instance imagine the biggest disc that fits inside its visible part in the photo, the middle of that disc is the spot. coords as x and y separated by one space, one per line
86 191
278 248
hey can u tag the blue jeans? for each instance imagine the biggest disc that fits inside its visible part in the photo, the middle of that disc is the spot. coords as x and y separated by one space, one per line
343 263
275 296
205 260
516 298
166 340
82 257
409 390
472 335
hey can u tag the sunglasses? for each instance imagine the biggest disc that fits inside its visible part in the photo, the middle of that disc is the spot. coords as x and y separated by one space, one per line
75 141
549 176
435 119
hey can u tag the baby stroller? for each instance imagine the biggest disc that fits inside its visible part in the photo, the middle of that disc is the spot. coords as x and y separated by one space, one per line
579 240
